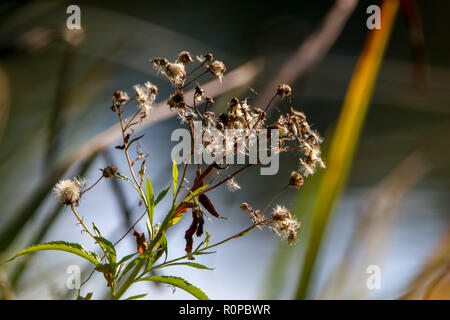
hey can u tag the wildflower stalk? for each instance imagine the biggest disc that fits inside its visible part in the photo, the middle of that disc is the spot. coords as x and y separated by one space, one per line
80 221
93 185
196 252
225 179
196 78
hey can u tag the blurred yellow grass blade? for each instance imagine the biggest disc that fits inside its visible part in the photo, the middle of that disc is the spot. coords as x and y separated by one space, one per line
345 138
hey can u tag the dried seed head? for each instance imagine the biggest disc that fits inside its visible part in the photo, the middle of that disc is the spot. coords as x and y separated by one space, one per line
233 185
145 96
110 171
217 68
199 92
176 100
120 97
209 100
207 57
281 213
185 58
175 72
296 179
284 90
68 191
160 62
152 90
284 224
244 206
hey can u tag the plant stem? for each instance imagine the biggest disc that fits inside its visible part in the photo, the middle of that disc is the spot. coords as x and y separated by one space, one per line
95 183
86 228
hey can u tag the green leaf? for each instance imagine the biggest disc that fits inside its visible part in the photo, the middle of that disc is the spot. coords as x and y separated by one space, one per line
130 266
150 194
126 258
189 264
174 177
74 248
107 246
180 283
138 296
205 252
194 193
162 195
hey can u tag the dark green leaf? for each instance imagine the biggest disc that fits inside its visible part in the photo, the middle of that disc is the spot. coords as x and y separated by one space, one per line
74 248
162 195
189 264
180 283
138 296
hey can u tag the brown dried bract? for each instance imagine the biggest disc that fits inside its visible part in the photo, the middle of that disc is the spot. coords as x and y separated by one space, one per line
140 242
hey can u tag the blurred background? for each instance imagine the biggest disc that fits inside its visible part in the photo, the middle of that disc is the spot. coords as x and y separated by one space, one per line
383 201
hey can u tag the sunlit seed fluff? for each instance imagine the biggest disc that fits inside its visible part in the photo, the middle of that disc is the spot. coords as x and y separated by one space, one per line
175 72
233 185
284 224
296 179
152 90
217 68
185 58
68 191
120 97
284 90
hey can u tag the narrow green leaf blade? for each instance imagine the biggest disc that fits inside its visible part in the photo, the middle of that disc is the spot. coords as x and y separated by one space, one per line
138 296
162 195
179 283
175 177
189 264
150 195
74 248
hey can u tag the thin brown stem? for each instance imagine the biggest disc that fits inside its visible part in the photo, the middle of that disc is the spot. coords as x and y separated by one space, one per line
196 68
196 78
225 179
270 102
126 152
274 198
131 119
95 183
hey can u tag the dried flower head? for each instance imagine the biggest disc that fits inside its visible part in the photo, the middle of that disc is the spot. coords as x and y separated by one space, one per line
206 58
233 185
284 224
296 179
145 96
244 206
176 100
217 68
185 58
160 62
120 97
284 90
110 171
68 191
176 73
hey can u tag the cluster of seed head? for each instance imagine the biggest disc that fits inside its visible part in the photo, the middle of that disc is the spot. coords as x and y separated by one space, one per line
294 132
296 135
